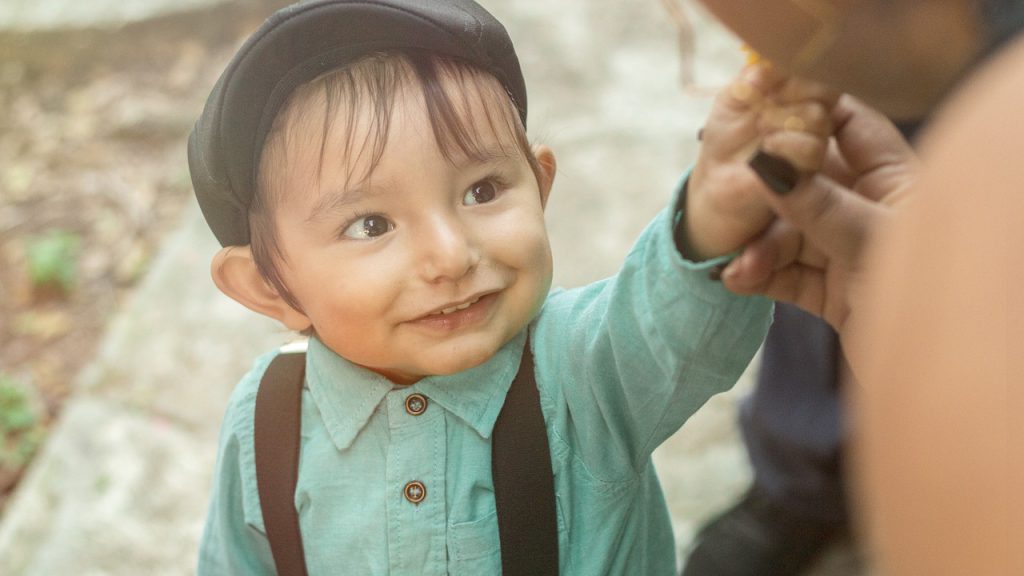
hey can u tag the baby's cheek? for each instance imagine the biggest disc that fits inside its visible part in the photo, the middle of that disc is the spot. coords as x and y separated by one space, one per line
539 256
532 259
543 273
521 236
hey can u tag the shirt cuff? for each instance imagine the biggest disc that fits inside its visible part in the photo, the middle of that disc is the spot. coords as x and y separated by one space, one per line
679 230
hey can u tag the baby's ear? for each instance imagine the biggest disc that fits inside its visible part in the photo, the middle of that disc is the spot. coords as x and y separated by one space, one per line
235 273
546 159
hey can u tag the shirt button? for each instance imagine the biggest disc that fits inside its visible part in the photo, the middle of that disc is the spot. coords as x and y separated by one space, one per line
416 404
415 492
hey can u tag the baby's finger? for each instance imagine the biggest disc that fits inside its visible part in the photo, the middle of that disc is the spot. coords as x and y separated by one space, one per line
767 79
751 86
805 151
807 116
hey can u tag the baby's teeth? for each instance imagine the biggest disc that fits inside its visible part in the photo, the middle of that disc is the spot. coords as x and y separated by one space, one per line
457 308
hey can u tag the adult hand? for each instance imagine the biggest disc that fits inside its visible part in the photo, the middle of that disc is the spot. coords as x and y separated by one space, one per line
811 256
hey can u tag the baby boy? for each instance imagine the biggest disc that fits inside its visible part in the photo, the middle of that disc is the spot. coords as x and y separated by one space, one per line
366 168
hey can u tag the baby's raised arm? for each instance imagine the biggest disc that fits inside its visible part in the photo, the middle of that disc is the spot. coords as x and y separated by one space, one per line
760 117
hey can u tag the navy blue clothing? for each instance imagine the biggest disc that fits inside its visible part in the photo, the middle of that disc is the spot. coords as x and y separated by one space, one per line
793 423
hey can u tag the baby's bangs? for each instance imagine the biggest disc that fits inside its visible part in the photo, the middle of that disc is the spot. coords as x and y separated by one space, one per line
469 110
368 87
357 100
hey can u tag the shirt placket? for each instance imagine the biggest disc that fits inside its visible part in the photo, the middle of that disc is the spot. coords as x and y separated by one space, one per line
417 451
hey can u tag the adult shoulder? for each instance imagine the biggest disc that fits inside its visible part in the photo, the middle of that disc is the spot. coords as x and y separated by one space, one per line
940 400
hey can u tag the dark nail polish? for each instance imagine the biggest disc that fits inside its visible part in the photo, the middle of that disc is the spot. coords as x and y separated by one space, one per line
715 274
700 135
778 174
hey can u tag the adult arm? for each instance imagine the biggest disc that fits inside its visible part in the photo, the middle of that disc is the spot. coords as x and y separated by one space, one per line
943 347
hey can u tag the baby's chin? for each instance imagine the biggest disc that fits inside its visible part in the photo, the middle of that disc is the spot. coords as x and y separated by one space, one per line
468 358
440 363
464 357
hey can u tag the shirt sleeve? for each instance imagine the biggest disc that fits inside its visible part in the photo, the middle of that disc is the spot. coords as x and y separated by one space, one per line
624 362
234 541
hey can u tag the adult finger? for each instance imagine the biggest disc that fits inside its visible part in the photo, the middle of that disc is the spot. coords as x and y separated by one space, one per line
779 246
873 148
832 217
835 166
753 267
802 286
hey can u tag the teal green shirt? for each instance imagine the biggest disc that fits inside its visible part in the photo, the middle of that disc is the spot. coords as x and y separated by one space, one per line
620 365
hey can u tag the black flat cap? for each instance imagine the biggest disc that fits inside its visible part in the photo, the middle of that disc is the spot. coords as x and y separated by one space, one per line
301 42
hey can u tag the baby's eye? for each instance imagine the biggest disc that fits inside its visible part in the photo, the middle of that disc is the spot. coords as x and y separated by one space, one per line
480 193
370 226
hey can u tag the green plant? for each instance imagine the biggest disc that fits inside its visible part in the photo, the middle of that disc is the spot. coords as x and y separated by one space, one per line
20 429
52 260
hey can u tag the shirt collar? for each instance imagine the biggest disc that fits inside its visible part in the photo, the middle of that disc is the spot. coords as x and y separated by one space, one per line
347 395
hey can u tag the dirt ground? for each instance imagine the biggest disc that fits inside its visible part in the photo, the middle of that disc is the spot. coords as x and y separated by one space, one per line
93 125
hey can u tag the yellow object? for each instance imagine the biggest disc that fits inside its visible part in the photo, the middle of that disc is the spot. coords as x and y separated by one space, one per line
752 56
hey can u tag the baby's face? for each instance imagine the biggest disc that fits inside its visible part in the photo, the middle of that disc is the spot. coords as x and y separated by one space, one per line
425 267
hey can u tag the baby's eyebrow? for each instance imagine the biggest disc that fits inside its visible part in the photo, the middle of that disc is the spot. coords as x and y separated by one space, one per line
339 199
486 155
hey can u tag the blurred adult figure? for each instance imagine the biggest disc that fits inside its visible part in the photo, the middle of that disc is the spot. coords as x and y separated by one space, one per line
925 318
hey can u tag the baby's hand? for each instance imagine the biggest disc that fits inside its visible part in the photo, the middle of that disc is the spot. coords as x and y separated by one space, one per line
761 111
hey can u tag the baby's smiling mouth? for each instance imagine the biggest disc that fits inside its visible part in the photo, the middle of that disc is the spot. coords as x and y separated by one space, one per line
459 313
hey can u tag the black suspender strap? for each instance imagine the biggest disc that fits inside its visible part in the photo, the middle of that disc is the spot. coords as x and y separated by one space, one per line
278 420
524 489
524 484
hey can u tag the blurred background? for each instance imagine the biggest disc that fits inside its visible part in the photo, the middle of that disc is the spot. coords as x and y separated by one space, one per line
117 354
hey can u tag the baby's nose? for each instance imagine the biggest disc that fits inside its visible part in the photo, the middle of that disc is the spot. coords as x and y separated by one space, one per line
448 251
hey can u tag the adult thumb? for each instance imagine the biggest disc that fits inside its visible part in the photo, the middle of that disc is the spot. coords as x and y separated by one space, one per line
834 219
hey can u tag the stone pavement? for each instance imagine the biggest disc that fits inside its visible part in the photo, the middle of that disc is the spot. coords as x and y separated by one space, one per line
121 486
